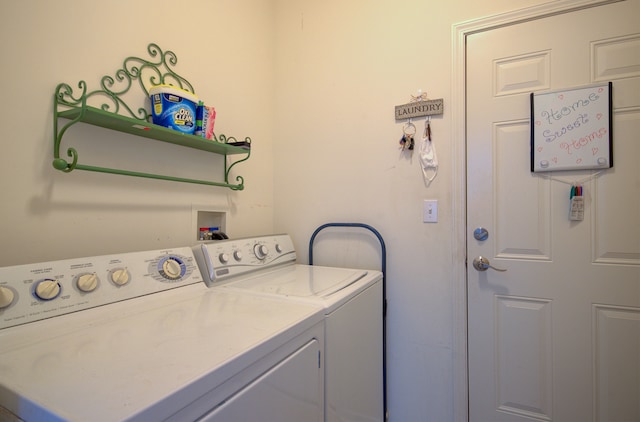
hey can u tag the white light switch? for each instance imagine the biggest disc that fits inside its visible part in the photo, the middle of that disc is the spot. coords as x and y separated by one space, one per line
430 211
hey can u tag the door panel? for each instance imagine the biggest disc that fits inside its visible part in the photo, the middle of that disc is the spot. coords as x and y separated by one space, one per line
616 363
521 213
523 351
616 237
556 336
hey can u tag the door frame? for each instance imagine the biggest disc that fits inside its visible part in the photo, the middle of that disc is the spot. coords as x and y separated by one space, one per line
460 32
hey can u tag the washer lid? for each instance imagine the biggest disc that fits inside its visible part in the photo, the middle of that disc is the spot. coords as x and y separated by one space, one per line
142 359
302 281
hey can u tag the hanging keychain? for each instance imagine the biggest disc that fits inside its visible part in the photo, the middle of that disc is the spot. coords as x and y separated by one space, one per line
428 158
407 142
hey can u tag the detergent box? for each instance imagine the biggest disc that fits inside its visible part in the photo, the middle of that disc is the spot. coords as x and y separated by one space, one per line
174 108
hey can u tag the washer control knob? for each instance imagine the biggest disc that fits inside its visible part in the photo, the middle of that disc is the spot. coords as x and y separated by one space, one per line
171 269
120 276
278 248
48 289
224 258
237 255
260 251
87 282
6 297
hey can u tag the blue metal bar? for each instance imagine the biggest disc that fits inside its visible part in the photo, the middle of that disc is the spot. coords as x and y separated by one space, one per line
383 250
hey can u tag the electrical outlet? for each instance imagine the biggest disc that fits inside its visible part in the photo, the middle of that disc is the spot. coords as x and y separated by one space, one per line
430 211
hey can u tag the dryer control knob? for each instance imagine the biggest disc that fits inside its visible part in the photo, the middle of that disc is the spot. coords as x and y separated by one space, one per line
6 297
224 258
260 251
87 282
48 289
237 255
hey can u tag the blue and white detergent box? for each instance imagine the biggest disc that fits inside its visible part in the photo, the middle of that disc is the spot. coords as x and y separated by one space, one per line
174 108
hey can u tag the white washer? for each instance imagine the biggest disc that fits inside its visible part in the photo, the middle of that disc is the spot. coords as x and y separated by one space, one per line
352 300
139 337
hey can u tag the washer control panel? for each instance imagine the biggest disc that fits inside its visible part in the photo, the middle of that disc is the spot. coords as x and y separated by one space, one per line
37 291
221 260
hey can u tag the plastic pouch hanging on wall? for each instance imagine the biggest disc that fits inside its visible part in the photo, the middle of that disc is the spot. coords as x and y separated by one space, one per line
428 157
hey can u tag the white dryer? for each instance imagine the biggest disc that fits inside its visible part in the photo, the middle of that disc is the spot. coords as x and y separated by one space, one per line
352 301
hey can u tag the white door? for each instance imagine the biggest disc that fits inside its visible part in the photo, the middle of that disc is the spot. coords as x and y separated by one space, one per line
556 336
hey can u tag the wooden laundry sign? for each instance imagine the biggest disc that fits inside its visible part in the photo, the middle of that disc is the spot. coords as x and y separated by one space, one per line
419 109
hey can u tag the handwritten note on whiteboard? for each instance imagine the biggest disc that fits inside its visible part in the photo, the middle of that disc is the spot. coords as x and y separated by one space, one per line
571 129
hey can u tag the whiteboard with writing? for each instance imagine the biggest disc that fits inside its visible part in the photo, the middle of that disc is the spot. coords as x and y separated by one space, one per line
571 129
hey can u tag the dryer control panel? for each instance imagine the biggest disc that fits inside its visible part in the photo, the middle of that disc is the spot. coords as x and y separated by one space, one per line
222 260
37 291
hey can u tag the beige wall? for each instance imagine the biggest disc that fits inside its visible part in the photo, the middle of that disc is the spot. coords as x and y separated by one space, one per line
342 66
227 54
314 83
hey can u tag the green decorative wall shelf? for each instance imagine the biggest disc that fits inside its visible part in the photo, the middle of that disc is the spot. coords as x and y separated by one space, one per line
114 113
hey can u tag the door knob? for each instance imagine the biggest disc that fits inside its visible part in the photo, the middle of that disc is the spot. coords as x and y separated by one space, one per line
482 264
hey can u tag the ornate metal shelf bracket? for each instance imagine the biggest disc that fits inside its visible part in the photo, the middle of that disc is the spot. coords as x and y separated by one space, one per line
114 113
